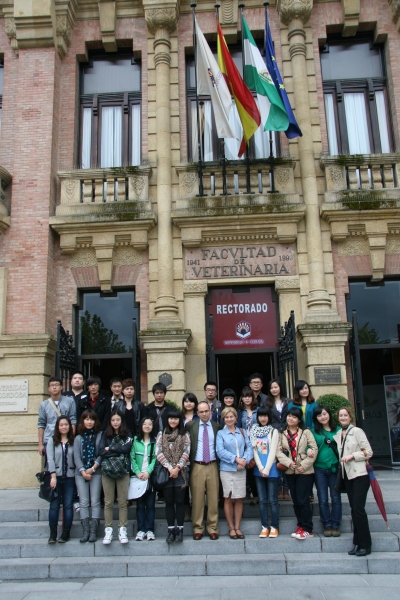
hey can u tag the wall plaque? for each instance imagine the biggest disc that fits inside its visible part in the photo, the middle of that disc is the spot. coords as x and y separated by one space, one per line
324 375
14 395
166 379
251 260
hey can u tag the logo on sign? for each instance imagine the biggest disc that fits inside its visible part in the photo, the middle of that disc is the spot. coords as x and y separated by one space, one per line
243 329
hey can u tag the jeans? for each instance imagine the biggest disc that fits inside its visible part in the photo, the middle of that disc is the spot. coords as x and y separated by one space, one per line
65 489
89 495
145 512
267 489
357 490
324 480
300 487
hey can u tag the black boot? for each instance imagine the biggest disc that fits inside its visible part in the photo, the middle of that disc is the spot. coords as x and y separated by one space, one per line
363 551
353 550
86 530
53 535
178 534
64 537
94 523
171 535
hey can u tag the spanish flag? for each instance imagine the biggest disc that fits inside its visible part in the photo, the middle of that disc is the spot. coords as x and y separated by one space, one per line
245 103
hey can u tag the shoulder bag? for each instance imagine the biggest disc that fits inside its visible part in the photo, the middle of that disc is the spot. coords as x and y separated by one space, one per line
339 486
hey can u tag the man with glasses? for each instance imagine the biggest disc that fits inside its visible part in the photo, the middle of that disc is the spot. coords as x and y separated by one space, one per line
256 383
49 411
204 475
211 392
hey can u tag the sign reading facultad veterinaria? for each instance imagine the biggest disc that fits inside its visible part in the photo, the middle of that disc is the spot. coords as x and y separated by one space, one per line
14 395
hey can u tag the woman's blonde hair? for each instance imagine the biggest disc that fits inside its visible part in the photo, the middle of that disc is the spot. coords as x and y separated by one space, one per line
349 411
227 410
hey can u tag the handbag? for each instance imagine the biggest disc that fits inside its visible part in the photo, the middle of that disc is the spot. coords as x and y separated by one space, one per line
138 487
159 477
115 466
339 486
46 492
281 466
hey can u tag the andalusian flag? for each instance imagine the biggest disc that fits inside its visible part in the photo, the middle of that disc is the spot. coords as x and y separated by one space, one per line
210 81
258 78
245 103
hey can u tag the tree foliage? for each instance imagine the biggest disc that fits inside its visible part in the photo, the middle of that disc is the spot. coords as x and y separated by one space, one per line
98 339
333 402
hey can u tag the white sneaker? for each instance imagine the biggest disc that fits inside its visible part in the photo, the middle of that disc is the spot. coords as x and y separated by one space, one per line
140 536
76 507
150 536
108 536
122 535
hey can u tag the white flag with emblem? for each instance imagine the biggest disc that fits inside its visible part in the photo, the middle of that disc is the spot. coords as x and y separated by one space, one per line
211 82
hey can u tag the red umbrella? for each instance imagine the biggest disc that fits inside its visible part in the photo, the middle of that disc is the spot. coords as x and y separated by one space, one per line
376 490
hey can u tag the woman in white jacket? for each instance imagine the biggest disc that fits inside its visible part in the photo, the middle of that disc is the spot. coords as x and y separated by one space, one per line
354 450
264 440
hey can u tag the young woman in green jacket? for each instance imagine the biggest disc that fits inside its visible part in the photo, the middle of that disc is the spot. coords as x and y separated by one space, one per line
325 469
143 459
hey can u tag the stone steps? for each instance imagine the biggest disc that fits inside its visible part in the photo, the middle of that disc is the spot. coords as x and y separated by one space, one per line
198 565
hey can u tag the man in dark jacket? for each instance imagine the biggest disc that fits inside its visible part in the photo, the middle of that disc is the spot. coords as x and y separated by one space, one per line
77 391
159 409
97 401
256 383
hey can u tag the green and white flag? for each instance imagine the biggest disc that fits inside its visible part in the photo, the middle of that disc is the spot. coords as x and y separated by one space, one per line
258 78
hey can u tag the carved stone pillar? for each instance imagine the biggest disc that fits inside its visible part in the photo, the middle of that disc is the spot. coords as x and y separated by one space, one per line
161 22
194 293
294 14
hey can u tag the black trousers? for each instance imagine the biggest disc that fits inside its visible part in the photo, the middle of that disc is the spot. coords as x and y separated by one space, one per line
174 505
300 487
357 490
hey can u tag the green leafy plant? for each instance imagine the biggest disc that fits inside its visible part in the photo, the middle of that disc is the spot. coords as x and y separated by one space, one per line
172 403
333 402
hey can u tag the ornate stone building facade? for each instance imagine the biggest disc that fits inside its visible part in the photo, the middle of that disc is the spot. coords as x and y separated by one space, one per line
78 219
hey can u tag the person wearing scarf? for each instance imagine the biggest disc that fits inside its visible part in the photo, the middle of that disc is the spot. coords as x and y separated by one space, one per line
264 440
293 446
172 451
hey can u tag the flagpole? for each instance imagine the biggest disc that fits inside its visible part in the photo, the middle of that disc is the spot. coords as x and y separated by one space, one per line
271 152
223 159
199 146
247 158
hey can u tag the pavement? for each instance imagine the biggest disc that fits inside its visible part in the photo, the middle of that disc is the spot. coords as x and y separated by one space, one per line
272 587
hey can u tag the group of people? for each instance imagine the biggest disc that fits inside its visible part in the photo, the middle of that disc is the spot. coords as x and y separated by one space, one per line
267 444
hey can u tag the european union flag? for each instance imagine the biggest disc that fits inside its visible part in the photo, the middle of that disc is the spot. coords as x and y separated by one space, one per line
293 130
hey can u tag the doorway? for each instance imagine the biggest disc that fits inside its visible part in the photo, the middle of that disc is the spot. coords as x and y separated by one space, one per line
233 370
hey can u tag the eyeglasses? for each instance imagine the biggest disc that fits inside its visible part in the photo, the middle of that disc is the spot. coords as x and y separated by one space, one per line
255 382
203 412
211 390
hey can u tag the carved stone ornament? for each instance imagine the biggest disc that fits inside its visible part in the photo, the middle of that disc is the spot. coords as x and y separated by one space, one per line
228 12
11 32
161 18
335 174
354 247
282 177
287 283
294 9
64 34
137 185
123 257
395 7
195 288
84 258
187 182
392 246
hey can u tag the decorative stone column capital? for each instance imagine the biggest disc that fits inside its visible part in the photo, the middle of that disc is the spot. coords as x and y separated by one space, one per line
11 32
164 18
294 9
395 8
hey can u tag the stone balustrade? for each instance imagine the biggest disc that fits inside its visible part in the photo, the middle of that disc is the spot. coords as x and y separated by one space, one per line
119 184
362 182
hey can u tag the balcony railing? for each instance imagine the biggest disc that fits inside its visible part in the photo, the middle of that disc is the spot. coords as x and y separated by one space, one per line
362 182
119 184
232 178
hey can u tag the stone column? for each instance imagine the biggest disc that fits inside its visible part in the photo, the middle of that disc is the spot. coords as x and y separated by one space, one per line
194 293
161 22
294 14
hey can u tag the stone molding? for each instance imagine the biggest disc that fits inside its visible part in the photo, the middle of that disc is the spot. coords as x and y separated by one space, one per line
294 9
195 288
108 23
287 284
351 10
164 18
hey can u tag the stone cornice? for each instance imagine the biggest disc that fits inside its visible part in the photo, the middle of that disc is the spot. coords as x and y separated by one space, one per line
294 9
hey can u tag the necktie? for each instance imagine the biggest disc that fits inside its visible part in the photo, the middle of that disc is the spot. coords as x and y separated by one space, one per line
206 445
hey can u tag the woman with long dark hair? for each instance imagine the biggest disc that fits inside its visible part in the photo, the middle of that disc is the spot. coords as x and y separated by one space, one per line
172 451
293 445
325 471
354 450
88 473
189 408
60 458
303 399
143 459
115 448
247 417
279 407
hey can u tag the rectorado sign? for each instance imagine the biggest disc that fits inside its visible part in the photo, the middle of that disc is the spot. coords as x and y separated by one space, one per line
244 320
258 260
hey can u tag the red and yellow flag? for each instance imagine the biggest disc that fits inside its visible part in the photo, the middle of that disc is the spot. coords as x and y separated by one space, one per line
245 103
